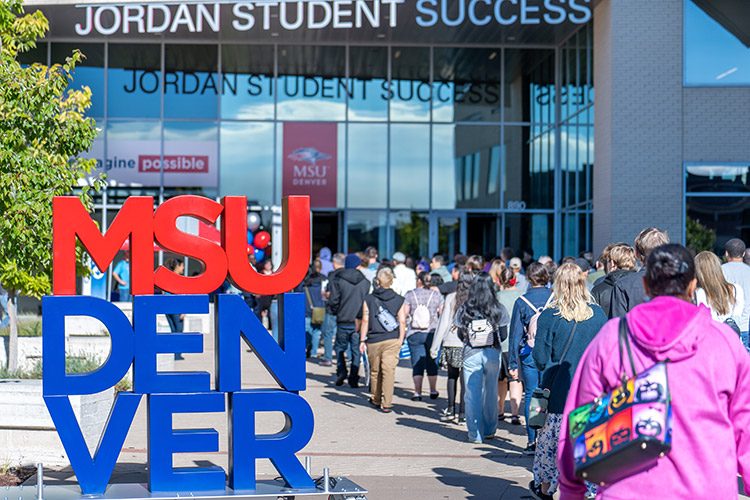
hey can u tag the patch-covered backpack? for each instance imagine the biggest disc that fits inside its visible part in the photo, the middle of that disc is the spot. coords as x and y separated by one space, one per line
530 336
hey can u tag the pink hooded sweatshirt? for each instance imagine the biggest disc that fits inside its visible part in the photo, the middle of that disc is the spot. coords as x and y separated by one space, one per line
709 380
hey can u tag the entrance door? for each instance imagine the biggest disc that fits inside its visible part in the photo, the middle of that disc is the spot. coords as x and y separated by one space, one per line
448 233
325 231
483 235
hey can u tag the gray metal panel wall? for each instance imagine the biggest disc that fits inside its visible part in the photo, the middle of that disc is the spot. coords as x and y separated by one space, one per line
717 124
638 80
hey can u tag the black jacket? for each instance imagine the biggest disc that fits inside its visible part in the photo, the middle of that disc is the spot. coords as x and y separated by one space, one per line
628 293
348 294
602 291
390 301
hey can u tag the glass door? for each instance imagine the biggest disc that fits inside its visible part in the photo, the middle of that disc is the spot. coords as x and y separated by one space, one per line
448 233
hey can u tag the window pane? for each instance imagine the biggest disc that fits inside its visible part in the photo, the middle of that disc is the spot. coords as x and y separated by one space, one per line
191 81
449 235
133 153
36 55
89 72
717 177
530 86
134 81
529 168
716 46
191 155
576 233
577 166
410 166
247 161
467 85
367 163
529 232
368 67
720 218
482 231
466 166
312 83
366 228
410 86
411 233
247 86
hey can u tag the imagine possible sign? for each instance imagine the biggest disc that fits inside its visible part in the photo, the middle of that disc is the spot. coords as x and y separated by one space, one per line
138 344
292 15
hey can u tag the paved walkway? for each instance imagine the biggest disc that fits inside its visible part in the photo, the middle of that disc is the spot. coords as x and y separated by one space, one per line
406 454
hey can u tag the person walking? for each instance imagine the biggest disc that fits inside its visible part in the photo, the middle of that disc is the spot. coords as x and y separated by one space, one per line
522 283
328 329
423 306
176 321
529 305
621 262
325 260
405 277
347 297
725 300
437 265
121 275
738 273
381 334
628 291
508 294
312 287
482 324
446 338
708 372
564 331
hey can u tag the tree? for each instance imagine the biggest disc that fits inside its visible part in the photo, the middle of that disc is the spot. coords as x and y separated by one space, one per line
699 238
43 131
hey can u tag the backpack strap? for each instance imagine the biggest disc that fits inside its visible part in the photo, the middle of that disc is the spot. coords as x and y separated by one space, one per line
570 341
528 302
427 305
624 344
309 298
549 301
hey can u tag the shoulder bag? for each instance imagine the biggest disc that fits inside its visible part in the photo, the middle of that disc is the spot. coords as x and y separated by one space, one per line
627 430
318 314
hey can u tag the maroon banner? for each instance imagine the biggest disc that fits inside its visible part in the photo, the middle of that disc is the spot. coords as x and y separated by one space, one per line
310 162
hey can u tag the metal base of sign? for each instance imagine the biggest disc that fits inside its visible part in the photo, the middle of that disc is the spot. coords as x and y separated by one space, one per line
339 489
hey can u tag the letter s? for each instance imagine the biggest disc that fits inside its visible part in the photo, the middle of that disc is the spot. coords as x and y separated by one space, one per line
423 9
585 10
245 20
296 250
553 8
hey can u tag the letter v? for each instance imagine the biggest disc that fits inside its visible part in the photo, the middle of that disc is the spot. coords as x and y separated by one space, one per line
93 473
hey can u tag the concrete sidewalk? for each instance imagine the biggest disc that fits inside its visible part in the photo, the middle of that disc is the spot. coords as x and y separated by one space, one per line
406 454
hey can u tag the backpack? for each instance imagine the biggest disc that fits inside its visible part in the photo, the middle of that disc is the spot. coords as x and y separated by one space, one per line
481 333
531 328
420 318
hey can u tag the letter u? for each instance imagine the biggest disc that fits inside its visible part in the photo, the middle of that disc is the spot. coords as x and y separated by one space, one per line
295 253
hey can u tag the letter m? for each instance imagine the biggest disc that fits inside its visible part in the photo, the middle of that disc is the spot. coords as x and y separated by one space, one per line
134 223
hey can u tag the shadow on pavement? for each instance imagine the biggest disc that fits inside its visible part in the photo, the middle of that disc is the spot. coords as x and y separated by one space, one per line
480 487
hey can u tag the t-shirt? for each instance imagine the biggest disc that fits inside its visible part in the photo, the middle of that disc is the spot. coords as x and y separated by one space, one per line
738 273
430 297
508 299
122 269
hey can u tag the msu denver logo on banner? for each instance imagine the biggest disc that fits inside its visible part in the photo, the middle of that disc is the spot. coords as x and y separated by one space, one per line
310 162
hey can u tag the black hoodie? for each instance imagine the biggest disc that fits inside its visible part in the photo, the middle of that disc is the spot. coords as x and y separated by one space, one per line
603 291
348 294
389 300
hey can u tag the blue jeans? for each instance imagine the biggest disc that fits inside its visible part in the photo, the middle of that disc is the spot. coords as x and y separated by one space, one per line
481 370
328 330
4 313
347 342
419 349
745 336
530 378
312 334
124 294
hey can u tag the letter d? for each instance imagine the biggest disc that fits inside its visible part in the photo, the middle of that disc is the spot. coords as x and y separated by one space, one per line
55 381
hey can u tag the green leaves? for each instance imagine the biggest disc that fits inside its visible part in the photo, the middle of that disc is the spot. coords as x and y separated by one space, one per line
43 131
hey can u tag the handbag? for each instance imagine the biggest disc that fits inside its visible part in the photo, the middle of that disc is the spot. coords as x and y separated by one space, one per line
540 397
318 314
627 430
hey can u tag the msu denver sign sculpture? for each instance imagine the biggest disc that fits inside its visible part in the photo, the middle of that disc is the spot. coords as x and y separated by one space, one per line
139 344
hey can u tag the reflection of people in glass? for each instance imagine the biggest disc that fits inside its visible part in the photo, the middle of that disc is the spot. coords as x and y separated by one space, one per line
121 274
176 321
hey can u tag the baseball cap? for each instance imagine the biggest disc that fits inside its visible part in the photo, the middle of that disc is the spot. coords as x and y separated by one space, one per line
399 257
583 264
515 263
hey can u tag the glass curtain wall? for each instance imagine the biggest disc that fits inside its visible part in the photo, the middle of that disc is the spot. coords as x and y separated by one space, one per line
415 135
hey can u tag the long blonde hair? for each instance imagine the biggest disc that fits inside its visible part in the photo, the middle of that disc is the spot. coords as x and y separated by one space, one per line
572 296
720 293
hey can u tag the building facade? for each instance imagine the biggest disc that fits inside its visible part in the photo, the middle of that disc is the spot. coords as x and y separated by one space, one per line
425 125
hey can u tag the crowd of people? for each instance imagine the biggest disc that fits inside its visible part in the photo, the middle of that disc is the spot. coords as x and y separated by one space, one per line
510 332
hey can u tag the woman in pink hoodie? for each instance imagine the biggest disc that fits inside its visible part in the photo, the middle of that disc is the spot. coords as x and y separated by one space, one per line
709 382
